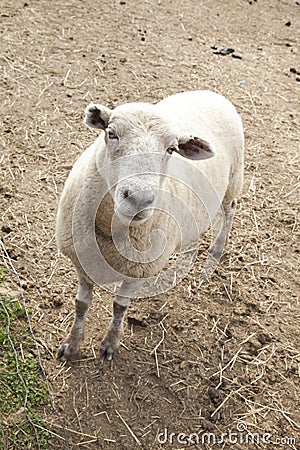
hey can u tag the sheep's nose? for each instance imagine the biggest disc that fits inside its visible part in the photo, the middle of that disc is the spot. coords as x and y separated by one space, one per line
139 199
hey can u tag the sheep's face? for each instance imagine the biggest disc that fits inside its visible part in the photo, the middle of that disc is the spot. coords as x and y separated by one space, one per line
136 155
138 144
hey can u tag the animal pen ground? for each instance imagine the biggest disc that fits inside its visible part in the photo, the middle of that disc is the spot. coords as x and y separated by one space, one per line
219 358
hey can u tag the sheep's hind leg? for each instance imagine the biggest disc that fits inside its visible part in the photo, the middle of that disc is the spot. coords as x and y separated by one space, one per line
219 242
71 347
222 238
111 342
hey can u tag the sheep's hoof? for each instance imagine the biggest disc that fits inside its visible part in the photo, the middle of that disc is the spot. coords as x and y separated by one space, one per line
66 352
108 350
216 253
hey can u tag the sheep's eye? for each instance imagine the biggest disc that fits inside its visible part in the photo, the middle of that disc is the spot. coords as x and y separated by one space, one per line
112 134
170 150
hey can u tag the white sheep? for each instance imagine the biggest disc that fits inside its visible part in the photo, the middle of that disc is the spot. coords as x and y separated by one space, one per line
149 186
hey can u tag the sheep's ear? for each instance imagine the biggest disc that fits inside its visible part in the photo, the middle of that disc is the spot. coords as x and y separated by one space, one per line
194 148
97 116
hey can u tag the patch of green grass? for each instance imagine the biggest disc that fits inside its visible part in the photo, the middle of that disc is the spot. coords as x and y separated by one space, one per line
2 274
20 382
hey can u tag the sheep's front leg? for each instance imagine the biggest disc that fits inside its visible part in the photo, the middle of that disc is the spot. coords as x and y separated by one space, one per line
70 348
111 342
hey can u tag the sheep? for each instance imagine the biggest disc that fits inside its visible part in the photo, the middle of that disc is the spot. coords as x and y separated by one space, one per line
149 186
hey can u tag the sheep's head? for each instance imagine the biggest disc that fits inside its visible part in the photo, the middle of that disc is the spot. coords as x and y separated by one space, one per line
138 145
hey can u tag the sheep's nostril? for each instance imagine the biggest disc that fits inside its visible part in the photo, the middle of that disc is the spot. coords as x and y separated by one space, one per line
138 199
143 199
149 200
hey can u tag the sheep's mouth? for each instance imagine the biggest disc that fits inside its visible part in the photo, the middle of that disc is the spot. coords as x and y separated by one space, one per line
133 217
138 218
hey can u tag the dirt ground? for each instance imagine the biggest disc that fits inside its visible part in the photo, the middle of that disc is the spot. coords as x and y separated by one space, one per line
220 358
